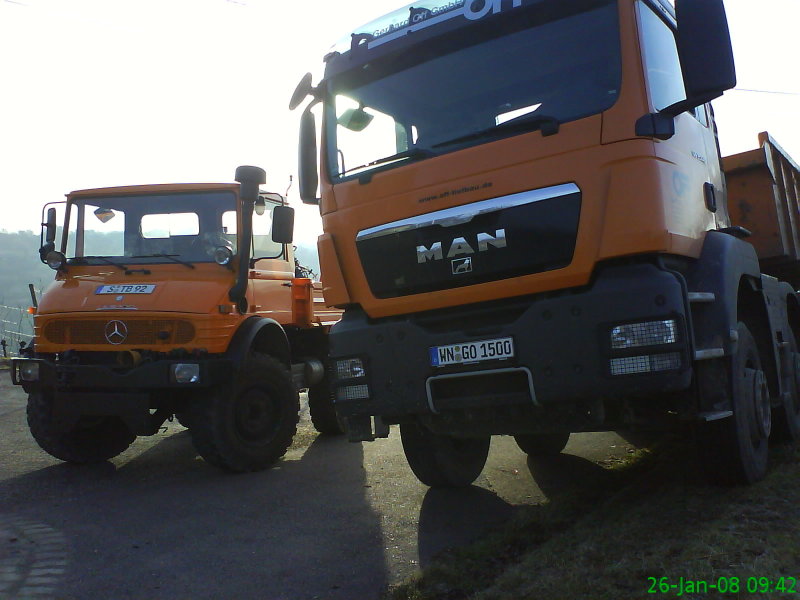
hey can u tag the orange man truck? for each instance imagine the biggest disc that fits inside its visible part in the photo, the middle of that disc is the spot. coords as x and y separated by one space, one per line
527 224
176 300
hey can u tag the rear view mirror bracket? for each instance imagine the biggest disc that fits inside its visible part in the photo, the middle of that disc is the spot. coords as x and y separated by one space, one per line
659 125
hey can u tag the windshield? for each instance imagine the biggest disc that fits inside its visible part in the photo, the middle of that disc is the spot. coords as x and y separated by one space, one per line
444 95
161 228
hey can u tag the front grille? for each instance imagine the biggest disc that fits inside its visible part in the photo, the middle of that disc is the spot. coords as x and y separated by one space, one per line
473 390
143 332
489 240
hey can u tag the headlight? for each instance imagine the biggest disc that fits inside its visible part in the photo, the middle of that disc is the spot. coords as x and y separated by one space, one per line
55 260
352 392
636 335
28 370
653 363
350 368
223 255
186 373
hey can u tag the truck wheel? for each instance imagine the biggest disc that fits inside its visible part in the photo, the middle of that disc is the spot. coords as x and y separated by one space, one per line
90 440
735 450
542 444
323 413
441 460
786 417
249 427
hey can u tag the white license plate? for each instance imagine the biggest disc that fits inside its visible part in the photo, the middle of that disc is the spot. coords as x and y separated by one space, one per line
132 288
472 352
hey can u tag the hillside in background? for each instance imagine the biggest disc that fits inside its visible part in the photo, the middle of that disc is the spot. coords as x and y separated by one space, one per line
19 266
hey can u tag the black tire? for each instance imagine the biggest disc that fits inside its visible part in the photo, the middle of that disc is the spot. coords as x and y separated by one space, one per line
321 407
89 440
542 444
183 418
250 426
441 460
735 450
786 417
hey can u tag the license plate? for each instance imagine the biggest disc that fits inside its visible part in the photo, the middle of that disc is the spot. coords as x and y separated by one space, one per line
472 352
132 288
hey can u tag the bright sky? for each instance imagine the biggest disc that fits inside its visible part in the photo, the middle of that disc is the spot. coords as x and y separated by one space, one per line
116 92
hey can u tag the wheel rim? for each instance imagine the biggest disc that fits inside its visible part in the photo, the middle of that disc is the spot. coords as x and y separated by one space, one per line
256 415
762 423
793 403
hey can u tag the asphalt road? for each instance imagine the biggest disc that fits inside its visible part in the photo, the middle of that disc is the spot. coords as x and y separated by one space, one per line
332 520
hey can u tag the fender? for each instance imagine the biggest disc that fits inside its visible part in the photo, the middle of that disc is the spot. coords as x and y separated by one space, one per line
265 335
728 267
723 262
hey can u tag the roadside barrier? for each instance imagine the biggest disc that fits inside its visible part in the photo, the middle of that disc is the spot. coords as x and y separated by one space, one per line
15 325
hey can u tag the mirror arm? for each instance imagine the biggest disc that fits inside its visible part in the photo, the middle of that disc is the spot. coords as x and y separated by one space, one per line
674 110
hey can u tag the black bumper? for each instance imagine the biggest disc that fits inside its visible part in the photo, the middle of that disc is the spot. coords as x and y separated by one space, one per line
562 349
97 389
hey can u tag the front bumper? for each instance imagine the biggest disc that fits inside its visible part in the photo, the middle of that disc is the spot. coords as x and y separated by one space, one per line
102 390
562 349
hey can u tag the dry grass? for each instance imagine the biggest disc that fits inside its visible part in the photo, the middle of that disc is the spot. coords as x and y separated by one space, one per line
649 517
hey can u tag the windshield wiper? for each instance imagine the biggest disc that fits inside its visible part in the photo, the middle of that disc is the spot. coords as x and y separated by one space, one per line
416 153
169 256
548 125
104 259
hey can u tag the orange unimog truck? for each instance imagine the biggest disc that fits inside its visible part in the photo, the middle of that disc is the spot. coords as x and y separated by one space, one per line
176 300
527 225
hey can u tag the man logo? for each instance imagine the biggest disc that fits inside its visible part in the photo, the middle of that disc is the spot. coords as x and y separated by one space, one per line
116 332
462 265
460 246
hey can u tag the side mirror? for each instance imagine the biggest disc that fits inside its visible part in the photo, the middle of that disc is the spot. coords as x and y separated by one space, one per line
283 224
50 226
308 172
303 90
706 55
49 235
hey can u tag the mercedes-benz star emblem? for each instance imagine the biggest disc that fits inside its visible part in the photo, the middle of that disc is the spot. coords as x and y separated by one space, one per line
116 332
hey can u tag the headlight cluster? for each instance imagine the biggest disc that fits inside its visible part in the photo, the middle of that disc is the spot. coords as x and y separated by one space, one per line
27 370
648 334
351 376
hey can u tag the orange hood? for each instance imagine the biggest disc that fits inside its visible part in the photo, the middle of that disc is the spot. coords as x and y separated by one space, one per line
168 288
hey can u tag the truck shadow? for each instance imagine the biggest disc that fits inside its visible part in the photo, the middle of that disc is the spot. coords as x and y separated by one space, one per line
564 474
454 517
166 524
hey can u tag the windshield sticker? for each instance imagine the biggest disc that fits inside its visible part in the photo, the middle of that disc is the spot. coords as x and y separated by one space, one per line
421 18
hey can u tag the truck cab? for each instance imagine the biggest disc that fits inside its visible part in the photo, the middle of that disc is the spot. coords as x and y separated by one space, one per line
526 224
174 300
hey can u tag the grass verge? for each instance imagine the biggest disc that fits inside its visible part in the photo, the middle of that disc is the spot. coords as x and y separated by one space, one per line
635 522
